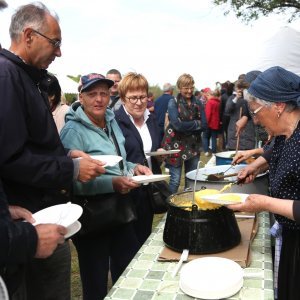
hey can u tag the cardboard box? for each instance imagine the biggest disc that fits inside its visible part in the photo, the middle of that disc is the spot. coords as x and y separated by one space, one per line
240 253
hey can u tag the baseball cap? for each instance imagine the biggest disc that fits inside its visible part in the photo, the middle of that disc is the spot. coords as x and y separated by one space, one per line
206 90
88 80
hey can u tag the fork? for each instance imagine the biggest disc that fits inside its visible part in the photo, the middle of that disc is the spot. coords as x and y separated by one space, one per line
63 213
184 256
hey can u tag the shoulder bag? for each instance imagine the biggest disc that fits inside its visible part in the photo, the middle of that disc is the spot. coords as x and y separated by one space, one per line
105 212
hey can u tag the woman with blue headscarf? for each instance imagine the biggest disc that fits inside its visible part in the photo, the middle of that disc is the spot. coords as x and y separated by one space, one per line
274 102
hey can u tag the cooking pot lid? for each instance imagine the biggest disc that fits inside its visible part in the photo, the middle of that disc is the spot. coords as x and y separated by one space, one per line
211 278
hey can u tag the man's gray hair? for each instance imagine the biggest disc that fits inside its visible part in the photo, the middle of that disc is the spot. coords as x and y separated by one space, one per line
31 15
168 87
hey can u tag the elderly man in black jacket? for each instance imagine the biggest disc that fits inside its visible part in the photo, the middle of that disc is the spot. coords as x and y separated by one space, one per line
21 241
35 168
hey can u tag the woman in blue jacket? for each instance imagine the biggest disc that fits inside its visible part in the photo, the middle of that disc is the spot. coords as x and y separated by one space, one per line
91 127
187 121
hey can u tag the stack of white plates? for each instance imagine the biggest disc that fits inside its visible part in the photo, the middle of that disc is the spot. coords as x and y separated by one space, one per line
66 215
211 278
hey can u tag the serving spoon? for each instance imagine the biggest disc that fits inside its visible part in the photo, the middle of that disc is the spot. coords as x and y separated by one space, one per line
219 176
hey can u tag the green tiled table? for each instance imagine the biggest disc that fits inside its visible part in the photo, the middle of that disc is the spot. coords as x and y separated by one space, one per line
146 278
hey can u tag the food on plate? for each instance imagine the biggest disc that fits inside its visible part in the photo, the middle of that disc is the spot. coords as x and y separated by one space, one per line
202 204
230 197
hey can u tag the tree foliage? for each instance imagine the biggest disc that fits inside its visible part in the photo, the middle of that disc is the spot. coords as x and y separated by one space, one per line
249 10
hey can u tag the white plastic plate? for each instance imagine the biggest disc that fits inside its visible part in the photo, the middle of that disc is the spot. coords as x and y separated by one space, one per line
149 178
72 229
63 214
225 198
166 152
110 160
211 278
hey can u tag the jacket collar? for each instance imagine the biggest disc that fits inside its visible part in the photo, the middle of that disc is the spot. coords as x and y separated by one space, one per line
34 73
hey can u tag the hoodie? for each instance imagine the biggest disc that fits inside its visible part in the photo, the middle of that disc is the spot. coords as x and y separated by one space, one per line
81 134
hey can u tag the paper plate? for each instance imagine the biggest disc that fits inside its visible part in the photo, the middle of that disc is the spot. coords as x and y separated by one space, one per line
166 152
211 278
149 178
72 229
226 198
64 214
110 160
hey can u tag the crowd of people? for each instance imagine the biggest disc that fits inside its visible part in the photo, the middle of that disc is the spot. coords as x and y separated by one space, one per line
46 149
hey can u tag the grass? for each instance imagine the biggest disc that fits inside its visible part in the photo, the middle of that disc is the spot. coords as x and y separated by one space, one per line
75 276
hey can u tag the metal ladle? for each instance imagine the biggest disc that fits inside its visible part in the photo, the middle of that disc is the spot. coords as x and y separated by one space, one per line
195 183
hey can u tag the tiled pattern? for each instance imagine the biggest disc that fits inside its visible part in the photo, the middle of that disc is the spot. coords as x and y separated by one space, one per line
147 279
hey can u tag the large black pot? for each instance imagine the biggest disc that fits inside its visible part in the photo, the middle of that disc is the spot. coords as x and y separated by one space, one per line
200 231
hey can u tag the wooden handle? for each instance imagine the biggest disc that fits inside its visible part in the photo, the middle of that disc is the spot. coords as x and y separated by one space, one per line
238 137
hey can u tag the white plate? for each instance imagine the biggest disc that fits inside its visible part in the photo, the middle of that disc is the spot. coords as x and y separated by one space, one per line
166 152
204 172
219 198
64 214
149 178
211 278
72 229
111 160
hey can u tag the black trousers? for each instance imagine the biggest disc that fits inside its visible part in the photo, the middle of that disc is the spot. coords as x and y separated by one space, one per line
289 266
99 253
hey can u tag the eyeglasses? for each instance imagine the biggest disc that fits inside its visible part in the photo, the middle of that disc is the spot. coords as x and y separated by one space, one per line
254 113
188 88
55 43
134 99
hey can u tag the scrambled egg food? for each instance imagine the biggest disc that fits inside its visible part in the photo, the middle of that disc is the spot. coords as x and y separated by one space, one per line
202 204
230 197
226 187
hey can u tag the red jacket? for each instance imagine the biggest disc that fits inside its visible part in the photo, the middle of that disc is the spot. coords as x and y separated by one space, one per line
212 111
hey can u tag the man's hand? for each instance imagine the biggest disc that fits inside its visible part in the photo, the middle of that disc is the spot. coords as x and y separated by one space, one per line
78 153
18 212
89 169
49 236
123 185
142 170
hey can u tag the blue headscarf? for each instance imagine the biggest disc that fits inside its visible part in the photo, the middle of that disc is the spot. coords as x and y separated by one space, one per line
276 85
251 76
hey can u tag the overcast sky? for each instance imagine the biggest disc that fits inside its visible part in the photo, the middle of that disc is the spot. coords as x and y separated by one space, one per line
160 39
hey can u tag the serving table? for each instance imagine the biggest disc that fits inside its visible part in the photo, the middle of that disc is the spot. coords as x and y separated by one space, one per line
147 278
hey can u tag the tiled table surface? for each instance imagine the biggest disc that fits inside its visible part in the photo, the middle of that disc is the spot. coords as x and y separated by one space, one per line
146 278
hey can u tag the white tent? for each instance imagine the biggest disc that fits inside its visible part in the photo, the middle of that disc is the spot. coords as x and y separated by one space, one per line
68 86
282 49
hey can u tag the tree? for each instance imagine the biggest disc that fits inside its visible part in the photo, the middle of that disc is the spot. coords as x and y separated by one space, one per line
249 10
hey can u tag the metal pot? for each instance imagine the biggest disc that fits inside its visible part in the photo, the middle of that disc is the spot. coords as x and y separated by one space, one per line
200 231
258 186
